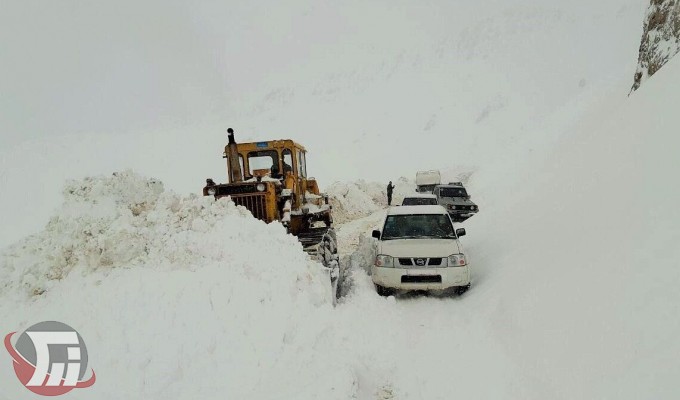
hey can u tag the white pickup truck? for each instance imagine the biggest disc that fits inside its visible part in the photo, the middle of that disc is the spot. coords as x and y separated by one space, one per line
418 249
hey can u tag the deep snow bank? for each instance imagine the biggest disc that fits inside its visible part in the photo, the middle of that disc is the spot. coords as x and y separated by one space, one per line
576 263
353 200
128 221
574 268
176 297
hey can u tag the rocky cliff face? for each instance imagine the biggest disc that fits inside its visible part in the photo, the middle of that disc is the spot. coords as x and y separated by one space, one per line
660 39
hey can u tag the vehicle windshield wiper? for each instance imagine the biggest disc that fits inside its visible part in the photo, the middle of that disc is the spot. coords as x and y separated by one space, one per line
407 237
397 237
431 237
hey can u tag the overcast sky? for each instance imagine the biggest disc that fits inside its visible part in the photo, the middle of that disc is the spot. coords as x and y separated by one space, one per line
71 67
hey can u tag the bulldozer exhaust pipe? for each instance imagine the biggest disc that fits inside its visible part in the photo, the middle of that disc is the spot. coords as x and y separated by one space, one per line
233 166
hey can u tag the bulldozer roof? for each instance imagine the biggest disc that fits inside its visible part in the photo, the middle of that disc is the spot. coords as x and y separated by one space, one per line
271 144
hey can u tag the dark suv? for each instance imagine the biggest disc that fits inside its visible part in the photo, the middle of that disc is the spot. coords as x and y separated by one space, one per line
456 200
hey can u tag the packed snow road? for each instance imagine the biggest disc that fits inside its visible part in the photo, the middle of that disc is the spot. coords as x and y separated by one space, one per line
418 344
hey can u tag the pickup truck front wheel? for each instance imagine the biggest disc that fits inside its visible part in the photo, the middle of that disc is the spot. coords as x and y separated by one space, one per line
383 291
461 289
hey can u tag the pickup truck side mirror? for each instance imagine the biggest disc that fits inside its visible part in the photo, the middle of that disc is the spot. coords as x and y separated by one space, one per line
376 234
460 232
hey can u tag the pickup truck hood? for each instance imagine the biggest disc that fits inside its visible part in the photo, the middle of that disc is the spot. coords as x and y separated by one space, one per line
419 247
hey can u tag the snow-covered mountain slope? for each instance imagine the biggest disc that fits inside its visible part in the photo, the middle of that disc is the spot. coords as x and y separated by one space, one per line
600 209
574 293
575 270
578 263
400 87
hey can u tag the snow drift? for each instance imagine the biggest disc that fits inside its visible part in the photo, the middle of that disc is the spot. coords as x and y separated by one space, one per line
577 265
575 270
353 200
176 297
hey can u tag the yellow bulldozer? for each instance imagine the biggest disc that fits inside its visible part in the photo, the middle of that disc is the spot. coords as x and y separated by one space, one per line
270 179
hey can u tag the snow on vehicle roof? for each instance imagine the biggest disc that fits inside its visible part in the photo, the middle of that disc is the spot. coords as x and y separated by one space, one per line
421 196
415 210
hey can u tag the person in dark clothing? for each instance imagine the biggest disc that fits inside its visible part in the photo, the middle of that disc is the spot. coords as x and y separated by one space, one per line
275 170
390 188
286 168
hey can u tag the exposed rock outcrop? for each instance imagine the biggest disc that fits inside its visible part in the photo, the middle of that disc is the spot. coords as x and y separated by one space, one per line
660 38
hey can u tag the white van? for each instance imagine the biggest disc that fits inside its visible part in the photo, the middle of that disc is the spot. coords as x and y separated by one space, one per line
427 180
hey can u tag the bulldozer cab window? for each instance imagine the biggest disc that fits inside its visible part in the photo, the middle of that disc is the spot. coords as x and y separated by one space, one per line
302 167
265 159
287 158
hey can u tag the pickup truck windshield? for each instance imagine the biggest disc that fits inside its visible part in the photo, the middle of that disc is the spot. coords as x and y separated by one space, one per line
452 192
422 226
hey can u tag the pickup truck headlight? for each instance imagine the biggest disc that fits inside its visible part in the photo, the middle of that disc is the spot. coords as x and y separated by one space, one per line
260 187
384 261
212 191
457 260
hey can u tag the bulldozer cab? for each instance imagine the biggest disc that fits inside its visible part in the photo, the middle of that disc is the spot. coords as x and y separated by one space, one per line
275 159
282 160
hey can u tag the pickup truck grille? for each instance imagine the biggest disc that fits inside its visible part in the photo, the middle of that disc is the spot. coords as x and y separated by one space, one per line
460 208
420 262
421 279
